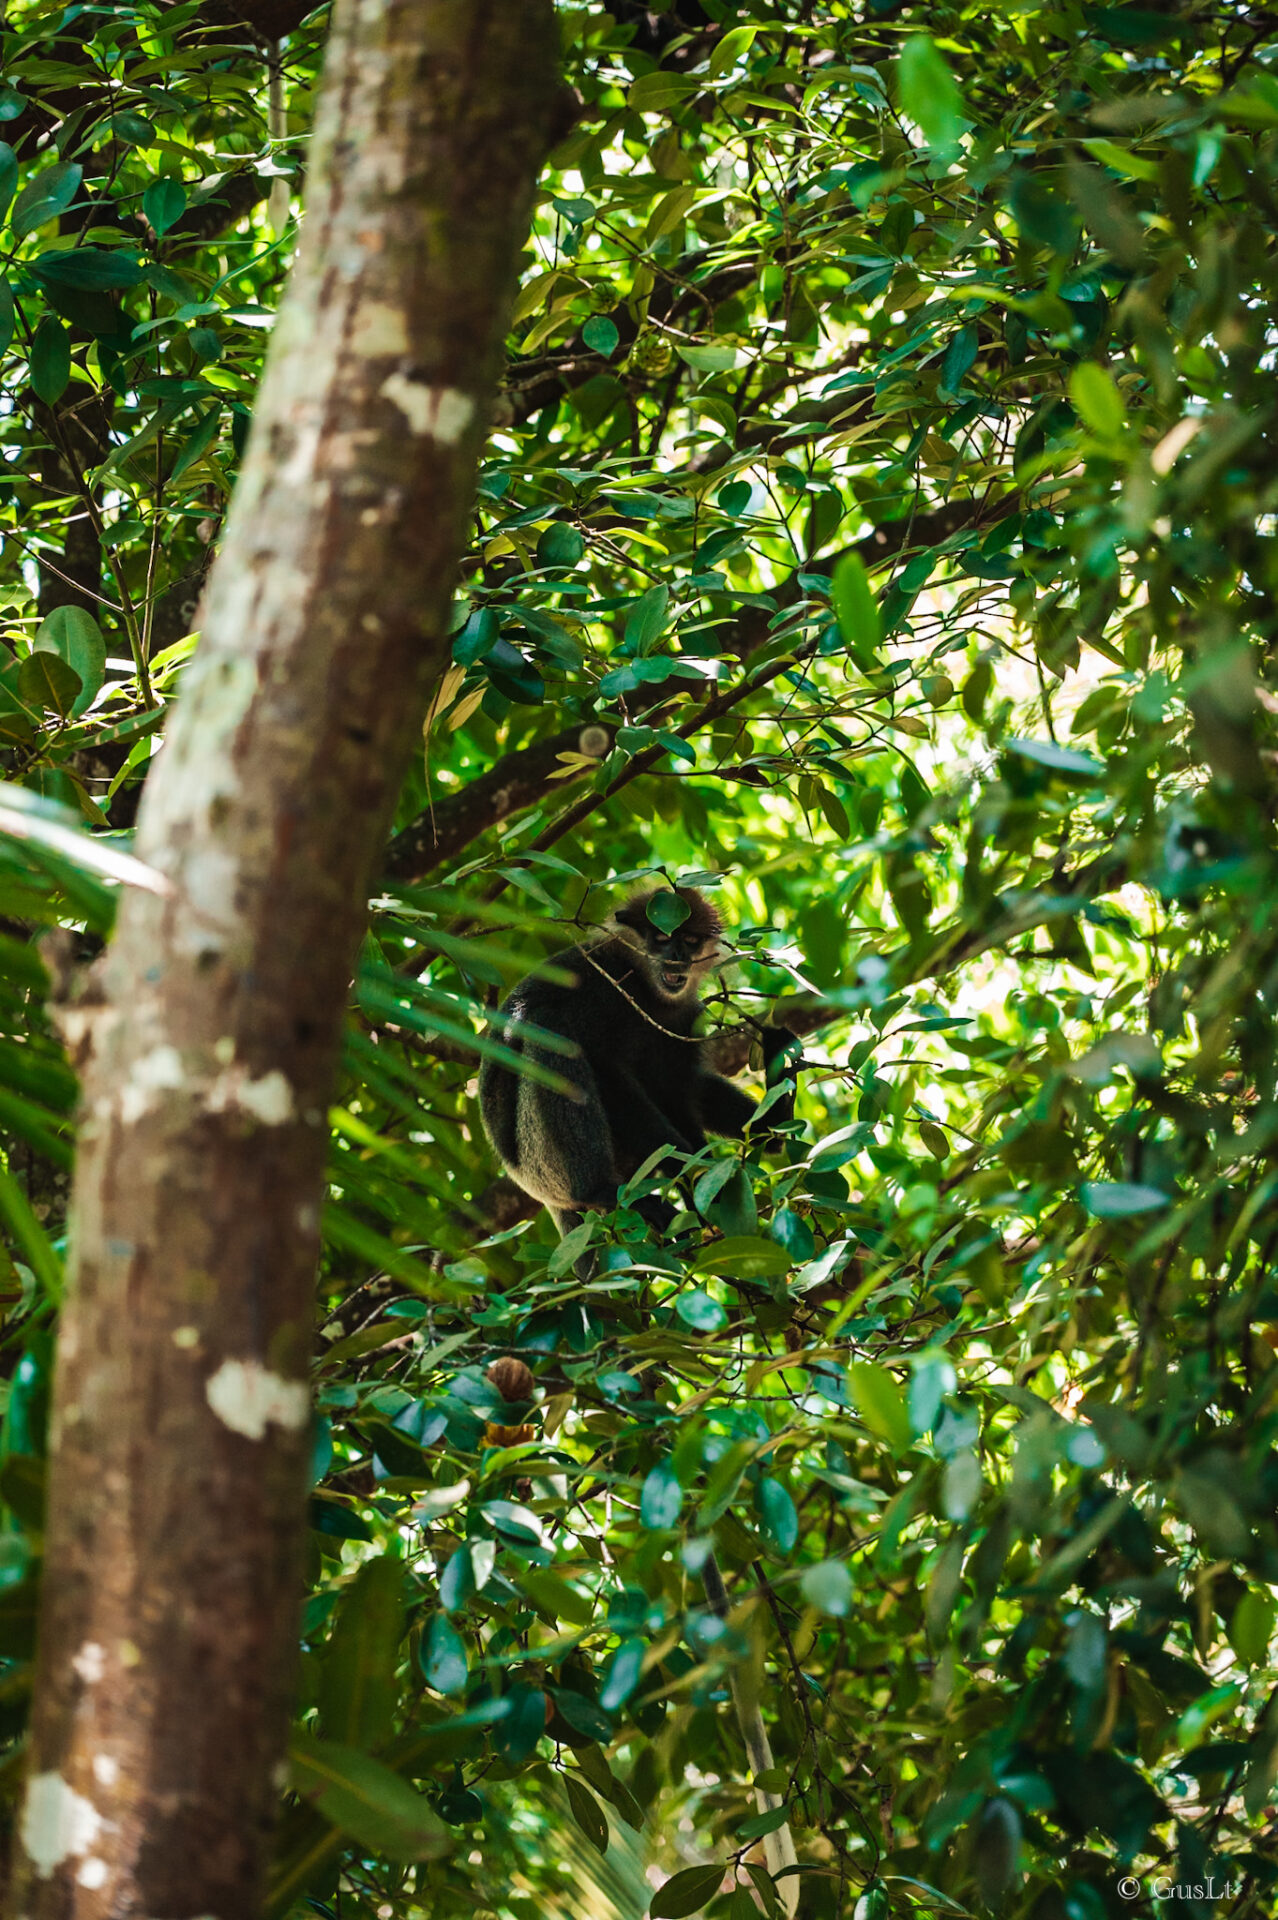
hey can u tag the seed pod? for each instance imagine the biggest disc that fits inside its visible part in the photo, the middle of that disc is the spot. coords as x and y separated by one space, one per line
512 1379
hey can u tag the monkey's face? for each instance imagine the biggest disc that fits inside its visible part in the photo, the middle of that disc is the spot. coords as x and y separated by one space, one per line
674 962
677 963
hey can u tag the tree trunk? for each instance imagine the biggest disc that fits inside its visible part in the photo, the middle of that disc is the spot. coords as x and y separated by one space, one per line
180 1430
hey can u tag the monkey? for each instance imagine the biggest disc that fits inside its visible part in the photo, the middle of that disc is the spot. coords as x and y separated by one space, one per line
640 1075
642 1083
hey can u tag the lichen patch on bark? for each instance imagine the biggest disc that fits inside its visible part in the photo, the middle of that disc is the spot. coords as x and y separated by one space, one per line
57 1822
156 1073
268 1100
247 1397
441 412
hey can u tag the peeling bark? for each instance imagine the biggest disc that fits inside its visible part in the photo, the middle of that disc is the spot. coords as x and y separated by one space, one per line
180 1429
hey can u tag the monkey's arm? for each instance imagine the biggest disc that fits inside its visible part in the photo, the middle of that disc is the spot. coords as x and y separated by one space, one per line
724 1108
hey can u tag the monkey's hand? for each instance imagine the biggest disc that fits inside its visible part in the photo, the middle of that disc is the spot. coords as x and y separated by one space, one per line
658 1213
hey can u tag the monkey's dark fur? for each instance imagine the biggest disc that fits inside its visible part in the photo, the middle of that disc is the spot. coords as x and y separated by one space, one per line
643 1082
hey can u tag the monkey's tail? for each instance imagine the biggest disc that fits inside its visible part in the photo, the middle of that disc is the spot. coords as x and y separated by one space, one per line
778 1847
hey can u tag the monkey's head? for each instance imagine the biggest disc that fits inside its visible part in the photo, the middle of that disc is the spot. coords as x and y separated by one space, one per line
674 932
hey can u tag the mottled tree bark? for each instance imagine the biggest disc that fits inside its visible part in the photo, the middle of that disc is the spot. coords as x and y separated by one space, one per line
181 1419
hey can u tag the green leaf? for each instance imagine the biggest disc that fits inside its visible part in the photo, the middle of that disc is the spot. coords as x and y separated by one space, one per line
1086 1652
933 1377
8 175
746 1255
960 356
1251 1628
929 93
583 1715
732 1208
1041 214
685 1893
50 360
335 1518
707 359
646 622
197 444
652 92
164 203
996 1849
1097 400
732 47
623 1675
667 910
587 1812
88 269
1064 760
699 1311
358 1691
457 1582
760 1823
49 193
856 610
828 1587
777 1514
29 1235
880 1403
75 636
560 546
46 681
1113 1199
661 1499
791 1231
842 1146
443 1656
368 1800
523 1726
556 1597
601 336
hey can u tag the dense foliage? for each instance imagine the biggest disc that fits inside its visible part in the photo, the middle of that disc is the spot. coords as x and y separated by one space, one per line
878 528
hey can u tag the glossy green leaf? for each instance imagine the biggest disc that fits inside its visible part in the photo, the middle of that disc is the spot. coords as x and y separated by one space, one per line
661 1499
164 203
588 1813
45 680
50 360
857 610
74 636
1114 1199
443 1656
358 1690
685 1892
928 91
880 1403
367 1800
47 194
601 335
827 1586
